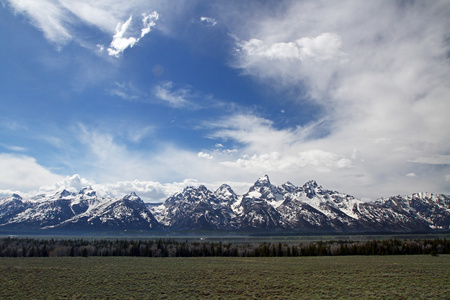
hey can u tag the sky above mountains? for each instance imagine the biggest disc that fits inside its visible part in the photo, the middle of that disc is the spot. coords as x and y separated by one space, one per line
151 96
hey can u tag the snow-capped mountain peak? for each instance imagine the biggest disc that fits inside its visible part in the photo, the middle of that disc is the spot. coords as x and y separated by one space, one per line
311 188
226 194
287 187
262 181
88 191
263 190
264 207
132 197
63 193
16 196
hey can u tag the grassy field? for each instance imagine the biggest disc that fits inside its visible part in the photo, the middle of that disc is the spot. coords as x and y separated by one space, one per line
367 277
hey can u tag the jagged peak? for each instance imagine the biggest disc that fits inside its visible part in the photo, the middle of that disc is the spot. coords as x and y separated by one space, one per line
88 191
288 187
16 196
263 180
86 188
311 188
202 188
225 192
188 188
224 186
311 184
132 197
193 189
63 193
424 195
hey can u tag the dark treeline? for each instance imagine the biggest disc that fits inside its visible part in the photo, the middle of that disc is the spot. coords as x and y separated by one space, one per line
27 247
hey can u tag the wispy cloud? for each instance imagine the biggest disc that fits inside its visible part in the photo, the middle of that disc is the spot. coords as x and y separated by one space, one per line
432 160
14 148
176 98
59 20
126 91
49 16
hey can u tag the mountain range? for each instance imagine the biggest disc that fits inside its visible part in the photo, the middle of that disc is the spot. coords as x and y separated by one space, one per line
264 208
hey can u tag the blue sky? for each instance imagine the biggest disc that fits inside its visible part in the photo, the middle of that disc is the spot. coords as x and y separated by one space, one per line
151 96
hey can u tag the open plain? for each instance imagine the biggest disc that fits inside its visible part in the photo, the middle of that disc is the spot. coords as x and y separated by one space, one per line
368 277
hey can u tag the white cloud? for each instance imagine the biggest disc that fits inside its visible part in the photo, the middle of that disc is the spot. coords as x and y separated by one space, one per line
173 97
323 47
432 160
23 173
256 133
379 70
126 91
14 148
48 16
208 21
204 155
268 150
411 175
120 43
96 13
122 40
149 191
380 73
72 183
59 20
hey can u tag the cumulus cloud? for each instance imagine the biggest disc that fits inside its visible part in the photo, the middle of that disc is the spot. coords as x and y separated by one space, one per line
208 21
123 39
204 155
320 161
72 183
379 71
104 154
23 173
323 47
149 191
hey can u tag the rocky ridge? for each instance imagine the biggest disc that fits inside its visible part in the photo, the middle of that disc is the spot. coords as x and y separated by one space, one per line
265 207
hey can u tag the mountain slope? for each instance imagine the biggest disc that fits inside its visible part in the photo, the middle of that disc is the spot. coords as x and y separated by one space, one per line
265 207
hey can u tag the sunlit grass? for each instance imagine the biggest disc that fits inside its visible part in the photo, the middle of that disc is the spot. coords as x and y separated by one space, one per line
387 277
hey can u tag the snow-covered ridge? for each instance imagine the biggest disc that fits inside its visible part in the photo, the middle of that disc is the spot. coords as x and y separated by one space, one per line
265 206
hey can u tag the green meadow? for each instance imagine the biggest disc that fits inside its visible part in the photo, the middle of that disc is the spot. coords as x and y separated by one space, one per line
326 277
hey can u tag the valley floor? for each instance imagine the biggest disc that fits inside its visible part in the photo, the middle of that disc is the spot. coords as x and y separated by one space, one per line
368 277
